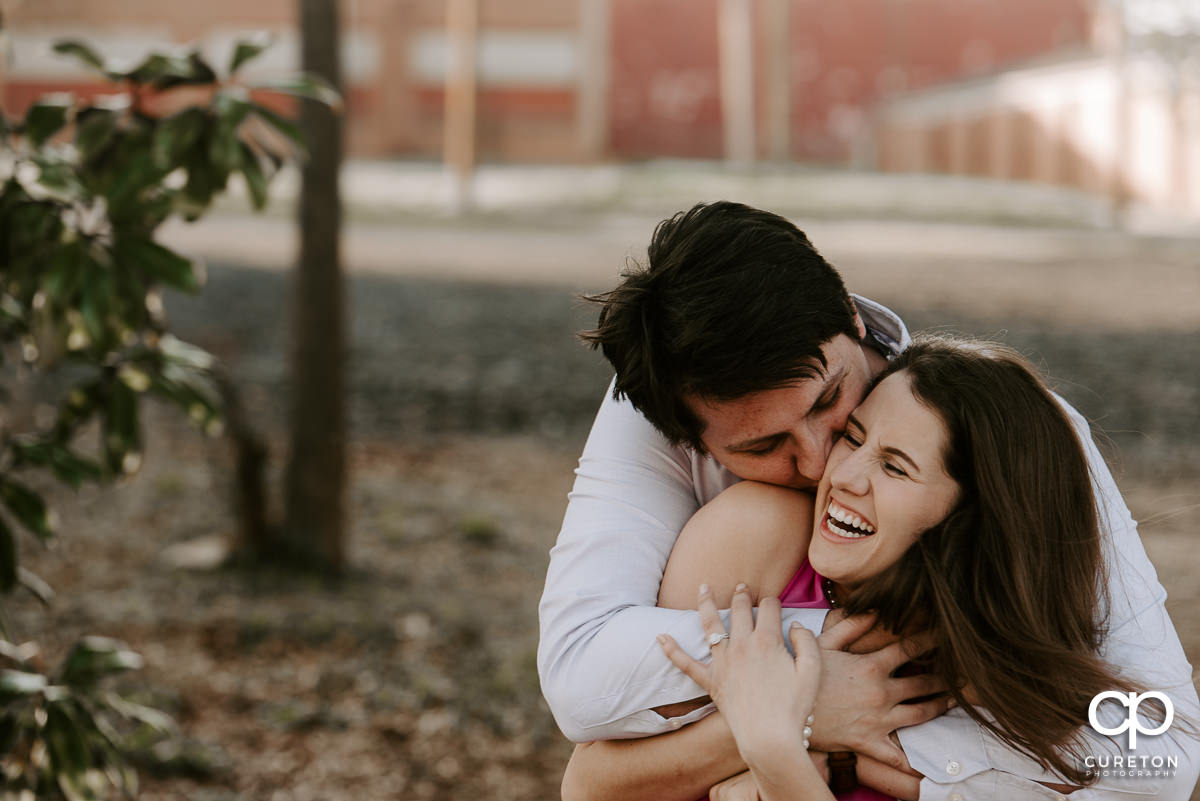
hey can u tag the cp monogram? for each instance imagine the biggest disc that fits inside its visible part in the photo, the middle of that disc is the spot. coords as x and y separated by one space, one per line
1132 724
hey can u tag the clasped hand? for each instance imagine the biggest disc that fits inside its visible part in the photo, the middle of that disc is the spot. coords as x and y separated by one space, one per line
765 694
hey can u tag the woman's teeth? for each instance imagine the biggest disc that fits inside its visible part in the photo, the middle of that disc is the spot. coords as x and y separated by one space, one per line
852 526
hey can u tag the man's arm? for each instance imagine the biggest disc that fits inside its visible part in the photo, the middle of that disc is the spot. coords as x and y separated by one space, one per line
677 766
955 753
601 669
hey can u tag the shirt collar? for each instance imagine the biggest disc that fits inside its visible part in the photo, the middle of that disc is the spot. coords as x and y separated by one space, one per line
883 325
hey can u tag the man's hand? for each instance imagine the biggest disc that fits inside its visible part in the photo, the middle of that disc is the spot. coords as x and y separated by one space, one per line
861 703
736 788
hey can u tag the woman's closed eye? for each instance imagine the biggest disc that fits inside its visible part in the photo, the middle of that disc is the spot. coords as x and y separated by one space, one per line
895 469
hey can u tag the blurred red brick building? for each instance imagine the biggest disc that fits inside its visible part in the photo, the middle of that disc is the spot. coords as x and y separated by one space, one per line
649 68
1012 89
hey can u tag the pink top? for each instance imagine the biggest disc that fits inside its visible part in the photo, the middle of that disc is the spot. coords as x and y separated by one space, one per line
804 591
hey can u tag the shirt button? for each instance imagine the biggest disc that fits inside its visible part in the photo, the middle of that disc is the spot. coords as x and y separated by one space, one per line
953 768
955 797
675 724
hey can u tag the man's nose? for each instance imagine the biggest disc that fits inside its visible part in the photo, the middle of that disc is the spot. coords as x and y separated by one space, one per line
812 454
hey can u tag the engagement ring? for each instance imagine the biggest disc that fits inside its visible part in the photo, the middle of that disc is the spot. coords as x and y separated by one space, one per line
717 639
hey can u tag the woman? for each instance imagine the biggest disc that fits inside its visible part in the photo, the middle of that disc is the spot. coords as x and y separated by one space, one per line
957 502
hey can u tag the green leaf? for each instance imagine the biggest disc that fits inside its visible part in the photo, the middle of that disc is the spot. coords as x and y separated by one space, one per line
95 303
68 466
122 440
95 129
307 85
157 262
185 354
165 71
139 174
93 658
160 721
224 147
247 50
8 558
81 52
10 733
64 739
57 175
47 117
256 179
289 128
64 273
16 684
177 134
158 66
37 586
27 506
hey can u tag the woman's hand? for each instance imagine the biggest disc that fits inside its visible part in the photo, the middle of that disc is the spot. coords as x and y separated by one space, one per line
765 694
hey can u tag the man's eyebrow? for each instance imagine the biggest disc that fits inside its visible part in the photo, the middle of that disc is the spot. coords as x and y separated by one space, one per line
830 380
891 450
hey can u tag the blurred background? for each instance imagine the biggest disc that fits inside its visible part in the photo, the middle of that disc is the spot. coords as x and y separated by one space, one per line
1027 170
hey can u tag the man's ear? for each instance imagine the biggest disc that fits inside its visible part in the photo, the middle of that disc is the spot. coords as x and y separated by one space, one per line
858 323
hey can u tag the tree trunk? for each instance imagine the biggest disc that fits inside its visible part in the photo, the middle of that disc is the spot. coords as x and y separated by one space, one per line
317 465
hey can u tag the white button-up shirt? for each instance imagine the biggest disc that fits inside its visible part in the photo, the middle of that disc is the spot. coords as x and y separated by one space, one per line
602 670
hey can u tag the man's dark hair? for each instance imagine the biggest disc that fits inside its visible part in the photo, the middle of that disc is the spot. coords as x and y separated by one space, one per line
732 301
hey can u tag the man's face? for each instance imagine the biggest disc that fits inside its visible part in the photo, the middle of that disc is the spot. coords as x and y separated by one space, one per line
784 436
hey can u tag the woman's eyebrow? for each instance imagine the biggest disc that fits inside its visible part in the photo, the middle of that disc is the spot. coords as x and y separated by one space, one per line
888 449
899 454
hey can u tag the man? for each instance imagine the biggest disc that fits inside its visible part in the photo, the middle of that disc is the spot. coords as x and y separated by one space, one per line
739 355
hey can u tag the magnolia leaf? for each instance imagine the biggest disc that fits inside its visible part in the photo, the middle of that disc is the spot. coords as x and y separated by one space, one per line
306 85
122 440
95 129
156 261
289 128
224 147
185 354
8 558
83 53
19 683
95 302
47 117
68 749
177 134
64 273
36 585
248 49
160 721
158 67
27 506
93 658
256 179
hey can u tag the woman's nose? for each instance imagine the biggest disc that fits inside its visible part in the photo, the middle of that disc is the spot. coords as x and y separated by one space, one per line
849 472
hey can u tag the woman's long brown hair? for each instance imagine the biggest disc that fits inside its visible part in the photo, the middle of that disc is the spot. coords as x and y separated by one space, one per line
1012 583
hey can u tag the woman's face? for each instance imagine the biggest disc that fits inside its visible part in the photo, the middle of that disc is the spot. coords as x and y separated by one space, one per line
884 484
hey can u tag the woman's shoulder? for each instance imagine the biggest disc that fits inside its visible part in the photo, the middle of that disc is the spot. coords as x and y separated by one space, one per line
752 533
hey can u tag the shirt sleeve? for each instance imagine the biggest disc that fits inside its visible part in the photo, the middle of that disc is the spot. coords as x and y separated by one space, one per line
601 668
1141 643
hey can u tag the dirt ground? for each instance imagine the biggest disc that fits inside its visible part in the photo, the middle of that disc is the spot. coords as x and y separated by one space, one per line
414 678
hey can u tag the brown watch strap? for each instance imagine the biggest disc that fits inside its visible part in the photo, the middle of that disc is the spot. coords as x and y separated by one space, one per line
842 774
